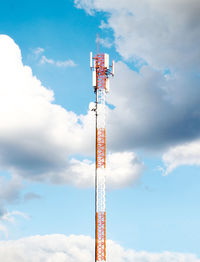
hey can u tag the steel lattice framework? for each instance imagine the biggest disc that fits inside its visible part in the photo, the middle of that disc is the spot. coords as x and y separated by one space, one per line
101 73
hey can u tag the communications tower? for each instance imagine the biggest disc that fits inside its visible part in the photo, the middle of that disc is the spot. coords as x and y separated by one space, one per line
101 70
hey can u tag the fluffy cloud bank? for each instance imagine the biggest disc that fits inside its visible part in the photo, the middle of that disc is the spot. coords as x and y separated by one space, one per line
53 248
37 137
154 110
35 134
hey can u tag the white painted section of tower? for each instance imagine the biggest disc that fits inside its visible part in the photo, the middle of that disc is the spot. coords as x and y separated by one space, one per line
101 189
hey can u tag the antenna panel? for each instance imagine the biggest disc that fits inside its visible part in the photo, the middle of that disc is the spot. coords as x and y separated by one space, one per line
107 85
94 80
113 67
106 61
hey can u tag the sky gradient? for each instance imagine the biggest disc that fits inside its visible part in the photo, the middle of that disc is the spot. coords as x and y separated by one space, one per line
47 131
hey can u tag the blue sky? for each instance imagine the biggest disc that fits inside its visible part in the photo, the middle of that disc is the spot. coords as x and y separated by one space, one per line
47 132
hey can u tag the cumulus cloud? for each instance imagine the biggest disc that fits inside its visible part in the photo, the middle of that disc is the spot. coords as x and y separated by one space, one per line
164 34
37 137
35 134
53 248
154 110
105 42
66 63
184 154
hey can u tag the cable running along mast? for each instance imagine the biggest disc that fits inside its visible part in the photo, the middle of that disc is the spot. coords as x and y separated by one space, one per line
101 70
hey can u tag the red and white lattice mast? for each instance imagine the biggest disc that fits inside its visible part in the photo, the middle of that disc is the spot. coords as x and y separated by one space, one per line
101 71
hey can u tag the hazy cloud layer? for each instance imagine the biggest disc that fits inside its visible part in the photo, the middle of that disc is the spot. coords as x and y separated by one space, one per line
37 137
8 219
66 63
54 248
30 196
9 216
10 190
38 54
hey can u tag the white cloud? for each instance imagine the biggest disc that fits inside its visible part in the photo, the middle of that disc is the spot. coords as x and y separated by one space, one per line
163 33
54 248
184 154
123 170
88 5
35 135
8 220
38 138
66 63
10 216
45 60
38 51
105 42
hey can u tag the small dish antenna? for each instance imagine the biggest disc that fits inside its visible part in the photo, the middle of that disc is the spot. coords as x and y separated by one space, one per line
92 106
